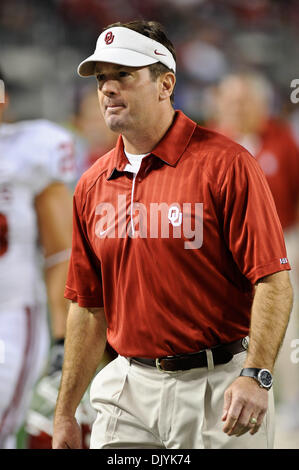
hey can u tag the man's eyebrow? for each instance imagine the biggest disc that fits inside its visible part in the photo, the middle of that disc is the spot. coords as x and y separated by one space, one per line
99 70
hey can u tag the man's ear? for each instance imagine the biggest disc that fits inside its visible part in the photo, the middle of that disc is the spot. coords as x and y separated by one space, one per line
167 84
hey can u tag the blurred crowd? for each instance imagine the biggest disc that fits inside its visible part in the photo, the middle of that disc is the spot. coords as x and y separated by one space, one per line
235 60
42 43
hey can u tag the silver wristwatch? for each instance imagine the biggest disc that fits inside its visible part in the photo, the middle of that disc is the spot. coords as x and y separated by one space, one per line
262 376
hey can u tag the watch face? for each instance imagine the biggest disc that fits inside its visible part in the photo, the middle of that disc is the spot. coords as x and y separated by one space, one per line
265 378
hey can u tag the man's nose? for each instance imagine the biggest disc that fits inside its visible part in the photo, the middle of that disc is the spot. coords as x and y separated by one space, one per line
110 87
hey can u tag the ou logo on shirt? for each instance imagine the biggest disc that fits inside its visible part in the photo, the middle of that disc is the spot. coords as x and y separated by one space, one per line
175 216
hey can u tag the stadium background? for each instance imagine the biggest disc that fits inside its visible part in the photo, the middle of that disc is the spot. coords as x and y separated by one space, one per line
42 43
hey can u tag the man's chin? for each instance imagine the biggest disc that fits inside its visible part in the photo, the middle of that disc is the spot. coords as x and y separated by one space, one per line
115 123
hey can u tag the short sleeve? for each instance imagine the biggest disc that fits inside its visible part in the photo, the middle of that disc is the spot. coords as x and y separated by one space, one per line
251 226
84 282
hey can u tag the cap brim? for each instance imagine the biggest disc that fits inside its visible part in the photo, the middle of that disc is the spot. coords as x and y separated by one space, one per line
118 56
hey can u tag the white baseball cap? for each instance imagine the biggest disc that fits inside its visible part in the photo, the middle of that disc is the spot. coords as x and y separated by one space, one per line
123 46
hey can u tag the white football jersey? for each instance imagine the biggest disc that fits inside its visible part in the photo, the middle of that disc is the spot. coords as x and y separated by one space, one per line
33 154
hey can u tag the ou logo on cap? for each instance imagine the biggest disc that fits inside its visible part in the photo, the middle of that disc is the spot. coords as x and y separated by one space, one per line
109 38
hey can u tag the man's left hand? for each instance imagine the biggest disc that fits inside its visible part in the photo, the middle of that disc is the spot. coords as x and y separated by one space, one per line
245 405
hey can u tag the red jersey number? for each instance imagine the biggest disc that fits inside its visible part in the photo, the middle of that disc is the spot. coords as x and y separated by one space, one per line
67 160
3 234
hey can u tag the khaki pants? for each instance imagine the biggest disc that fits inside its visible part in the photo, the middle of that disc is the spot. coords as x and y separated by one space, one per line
140 407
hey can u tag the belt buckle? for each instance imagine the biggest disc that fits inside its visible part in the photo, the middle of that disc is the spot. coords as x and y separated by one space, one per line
158 366
245 342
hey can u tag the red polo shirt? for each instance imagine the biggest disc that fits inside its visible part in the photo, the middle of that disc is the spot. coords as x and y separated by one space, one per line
173 254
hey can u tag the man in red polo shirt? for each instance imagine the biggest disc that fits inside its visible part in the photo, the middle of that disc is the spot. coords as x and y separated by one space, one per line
178 255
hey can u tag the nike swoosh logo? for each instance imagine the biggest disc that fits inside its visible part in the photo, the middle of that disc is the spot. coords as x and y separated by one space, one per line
102 232
158 53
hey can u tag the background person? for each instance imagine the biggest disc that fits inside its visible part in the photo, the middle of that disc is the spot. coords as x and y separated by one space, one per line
35 238
243 110
92 136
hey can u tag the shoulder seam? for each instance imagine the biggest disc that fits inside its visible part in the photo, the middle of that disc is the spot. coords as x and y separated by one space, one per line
101 173
90 188
227 169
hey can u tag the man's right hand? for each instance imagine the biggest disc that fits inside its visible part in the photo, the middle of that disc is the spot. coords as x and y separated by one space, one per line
67 433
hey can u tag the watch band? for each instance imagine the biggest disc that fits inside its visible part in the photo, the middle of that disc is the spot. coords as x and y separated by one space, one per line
250 372
262 376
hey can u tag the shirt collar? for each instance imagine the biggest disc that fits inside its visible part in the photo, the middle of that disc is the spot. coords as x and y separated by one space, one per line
169 149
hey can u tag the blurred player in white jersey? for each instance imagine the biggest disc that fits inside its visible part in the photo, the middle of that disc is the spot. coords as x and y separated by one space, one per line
36 162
